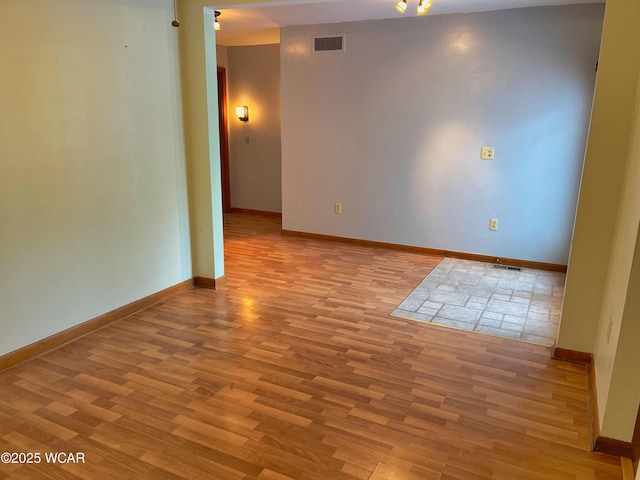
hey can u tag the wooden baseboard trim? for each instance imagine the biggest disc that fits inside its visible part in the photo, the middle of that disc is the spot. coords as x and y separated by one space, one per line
211 283
204 282
432 251
583 358
572 356
58 339
257 212
635 441
594 416
601 444
611 446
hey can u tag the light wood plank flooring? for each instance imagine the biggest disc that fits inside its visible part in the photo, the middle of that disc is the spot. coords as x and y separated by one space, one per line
294 370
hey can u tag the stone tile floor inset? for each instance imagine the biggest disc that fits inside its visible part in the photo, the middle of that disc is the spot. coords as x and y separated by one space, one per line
475 296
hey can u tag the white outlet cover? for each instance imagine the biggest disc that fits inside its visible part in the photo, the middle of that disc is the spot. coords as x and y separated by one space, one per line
487 153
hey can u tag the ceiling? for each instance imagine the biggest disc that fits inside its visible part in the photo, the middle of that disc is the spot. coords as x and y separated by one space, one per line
254 25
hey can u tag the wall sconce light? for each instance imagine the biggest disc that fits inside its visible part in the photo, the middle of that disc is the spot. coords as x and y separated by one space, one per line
242 113
216 23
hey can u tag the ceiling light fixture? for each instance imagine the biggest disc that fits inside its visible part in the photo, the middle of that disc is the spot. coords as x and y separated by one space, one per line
216 23
401 6
423 6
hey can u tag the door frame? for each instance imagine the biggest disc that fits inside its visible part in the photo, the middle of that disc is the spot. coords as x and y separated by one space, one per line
224 140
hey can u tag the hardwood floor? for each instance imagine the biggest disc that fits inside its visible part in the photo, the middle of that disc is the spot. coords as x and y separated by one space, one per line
294 370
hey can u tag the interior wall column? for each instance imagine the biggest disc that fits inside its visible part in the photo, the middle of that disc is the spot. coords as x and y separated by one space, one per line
602 177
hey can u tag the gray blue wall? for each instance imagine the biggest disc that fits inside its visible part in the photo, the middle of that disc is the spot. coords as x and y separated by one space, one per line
392 129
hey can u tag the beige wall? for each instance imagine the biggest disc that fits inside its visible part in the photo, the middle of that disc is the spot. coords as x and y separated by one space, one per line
602 178
623 396
597 314
195 108
93 200
194 98
617 357
254 80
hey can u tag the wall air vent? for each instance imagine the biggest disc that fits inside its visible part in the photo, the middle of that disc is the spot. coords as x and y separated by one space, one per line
507 267
335 43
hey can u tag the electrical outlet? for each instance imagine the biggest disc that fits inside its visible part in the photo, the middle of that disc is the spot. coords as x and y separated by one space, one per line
246 139
487 153
337 208
493 224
